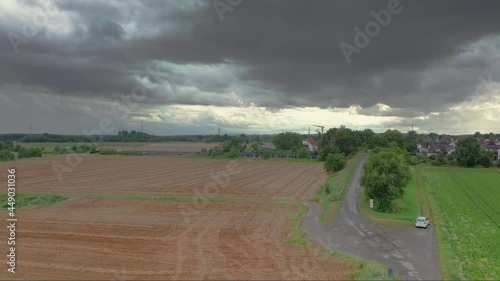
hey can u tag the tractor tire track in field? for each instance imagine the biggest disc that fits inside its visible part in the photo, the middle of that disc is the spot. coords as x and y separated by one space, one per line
470 194
419 183
411 252
423 189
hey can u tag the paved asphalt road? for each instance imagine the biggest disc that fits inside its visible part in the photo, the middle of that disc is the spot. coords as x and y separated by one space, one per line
411 252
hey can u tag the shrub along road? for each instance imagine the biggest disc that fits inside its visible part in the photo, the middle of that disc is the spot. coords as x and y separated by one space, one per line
411 252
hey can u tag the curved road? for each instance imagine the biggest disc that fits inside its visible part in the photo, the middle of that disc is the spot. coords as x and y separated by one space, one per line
411 252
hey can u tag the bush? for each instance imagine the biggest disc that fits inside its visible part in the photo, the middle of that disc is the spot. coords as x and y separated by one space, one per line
451 157
93 150
303 153
108 152
17 148
29 152
6 155
413 160
328 149
436 163
433 157
212 153
334 162
233 153
485 160
266 154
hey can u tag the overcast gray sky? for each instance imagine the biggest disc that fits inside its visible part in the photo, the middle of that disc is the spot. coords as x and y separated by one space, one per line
188 67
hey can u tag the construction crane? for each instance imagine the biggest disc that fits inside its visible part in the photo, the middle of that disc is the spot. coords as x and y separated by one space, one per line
317 130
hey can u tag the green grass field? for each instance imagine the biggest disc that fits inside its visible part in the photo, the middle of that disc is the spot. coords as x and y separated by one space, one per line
465 204
408 205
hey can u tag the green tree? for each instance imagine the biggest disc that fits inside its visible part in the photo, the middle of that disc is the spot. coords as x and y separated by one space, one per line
326 150
486 159
6 155
347 141
468 152
266 154
29 152
288 141
303 153
394 136
234 142
366 138
410 142
328 137
334 162
212 153
233 153
386 175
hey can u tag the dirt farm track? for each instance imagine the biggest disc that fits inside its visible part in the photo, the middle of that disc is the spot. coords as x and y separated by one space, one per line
101 233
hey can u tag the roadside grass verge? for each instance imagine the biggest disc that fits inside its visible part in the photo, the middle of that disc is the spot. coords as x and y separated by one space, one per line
361 269
331 192
29 199
408 205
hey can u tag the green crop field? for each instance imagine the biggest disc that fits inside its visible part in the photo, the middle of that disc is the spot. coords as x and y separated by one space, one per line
466 211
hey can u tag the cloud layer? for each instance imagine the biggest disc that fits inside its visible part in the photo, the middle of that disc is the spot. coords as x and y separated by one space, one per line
430 61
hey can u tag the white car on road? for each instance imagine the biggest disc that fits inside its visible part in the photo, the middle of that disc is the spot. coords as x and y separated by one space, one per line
422 222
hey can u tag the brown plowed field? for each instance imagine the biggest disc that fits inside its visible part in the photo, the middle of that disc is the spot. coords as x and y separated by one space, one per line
153 175
117 238
142 239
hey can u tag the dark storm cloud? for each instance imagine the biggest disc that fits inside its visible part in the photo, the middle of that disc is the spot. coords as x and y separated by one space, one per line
286 52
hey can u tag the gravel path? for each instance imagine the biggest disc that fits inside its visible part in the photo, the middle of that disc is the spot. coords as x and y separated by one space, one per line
411 252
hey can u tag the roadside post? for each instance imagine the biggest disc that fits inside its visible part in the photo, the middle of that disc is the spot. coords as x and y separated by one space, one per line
371 203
